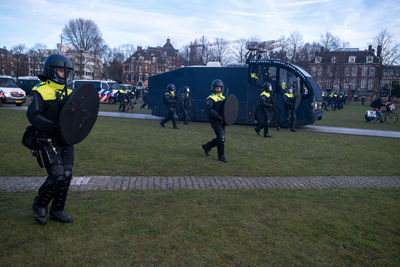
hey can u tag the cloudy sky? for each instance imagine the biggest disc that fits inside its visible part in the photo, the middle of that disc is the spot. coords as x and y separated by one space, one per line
151 22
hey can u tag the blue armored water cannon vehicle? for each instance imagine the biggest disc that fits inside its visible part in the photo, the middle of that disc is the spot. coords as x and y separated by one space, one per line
245 81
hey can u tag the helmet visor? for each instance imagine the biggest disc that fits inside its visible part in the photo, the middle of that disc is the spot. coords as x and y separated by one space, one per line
62 76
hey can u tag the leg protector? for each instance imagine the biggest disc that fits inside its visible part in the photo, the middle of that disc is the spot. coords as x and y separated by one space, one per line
61 191
221 151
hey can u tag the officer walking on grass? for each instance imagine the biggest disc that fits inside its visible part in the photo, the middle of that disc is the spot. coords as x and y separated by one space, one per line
47 100
289 105
215 111
170 100
263 108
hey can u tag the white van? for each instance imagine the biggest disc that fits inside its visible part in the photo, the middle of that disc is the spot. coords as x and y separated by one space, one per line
10 91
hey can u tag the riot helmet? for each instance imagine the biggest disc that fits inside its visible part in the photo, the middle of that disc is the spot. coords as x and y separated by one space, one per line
186 89
171 87
217 83
290 89
54 67
267 86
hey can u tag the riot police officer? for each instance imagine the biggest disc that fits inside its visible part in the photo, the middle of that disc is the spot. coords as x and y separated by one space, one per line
123 100
47 99
289 105
186 104
264 106
215 111
170 100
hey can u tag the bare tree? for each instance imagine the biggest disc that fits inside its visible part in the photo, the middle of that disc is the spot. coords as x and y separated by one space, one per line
331 42
37 55
388 52
196 52
294 43
219 51
389 48
22 66
239 51
85 36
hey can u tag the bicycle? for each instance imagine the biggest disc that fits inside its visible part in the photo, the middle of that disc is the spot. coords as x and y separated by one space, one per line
389 115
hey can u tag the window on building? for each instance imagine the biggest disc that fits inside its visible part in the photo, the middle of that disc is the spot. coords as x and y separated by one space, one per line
372 71
354 71
364 71
347 71
320 71
318 59
370 85
363 83
370 59
333 60
352 59
354 84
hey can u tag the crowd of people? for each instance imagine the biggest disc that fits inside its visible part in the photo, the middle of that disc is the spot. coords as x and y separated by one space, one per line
129 97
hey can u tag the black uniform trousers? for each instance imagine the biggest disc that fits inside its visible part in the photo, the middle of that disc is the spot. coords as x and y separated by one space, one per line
262 116
291 116
59 170
219 140
171 117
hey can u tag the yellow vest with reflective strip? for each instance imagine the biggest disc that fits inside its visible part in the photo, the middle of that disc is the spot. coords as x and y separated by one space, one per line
266 94
48 90
289 95
171 93
217 97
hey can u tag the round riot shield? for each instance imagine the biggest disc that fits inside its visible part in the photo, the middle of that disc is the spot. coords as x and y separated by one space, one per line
79 114
231 109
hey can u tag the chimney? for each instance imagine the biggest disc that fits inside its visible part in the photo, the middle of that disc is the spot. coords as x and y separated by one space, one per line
379 51
139 48
168 41
370 48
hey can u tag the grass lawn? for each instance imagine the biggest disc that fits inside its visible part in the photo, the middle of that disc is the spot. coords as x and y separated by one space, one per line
212 228
130 147
208 227
352 116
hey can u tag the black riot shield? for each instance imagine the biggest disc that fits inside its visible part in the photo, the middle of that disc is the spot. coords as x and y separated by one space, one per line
79 114
231 109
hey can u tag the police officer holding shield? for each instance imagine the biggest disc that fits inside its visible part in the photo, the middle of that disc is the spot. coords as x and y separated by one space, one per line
264 105
215 111
47 100
170 100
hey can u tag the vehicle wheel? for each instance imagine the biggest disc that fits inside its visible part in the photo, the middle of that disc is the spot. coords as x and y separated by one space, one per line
391 118
111 100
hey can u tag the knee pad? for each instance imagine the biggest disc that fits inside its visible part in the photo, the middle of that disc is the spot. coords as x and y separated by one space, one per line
68 175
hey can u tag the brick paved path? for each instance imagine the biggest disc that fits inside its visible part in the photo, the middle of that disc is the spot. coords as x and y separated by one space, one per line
20 184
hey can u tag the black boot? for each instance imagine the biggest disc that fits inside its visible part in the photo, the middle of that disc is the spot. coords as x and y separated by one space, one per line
266 133
42 200
257 130
39 213
60 216
206 149
221 152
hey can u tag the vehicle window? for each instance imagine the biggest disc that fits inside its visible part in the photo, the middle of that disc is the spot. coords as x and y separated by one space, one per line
115 86
258 74
7 82
104 86
287 79
305 92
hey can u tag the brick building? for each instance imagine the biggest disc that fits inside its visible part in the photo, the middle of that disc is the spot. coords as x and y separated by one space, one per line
144 63
349 70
